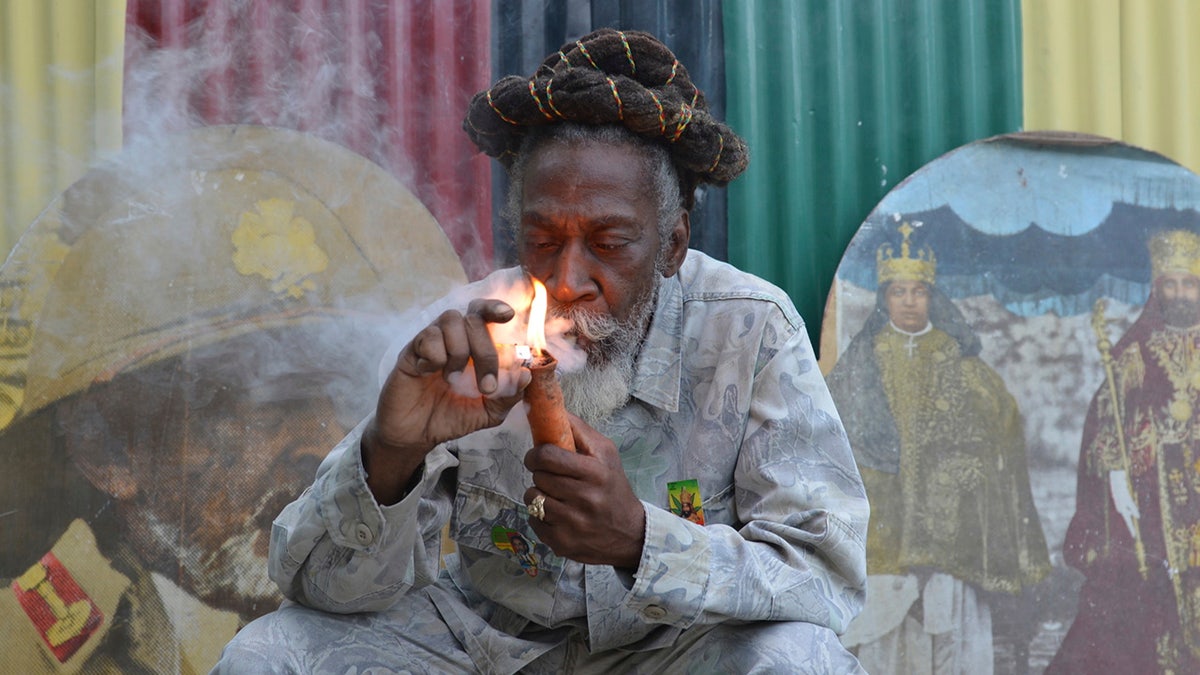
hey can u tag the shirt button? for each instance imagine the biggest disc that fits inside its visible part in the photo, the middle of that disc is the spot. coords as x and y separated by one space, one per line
654 613
363 534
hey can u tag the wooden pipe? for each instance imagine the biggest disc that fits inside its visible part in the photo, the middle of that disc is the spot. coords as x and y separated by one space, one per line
547 413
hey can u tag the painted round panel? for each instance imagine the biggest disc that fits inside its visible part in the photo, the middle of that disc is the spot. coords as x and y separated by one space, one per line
184 333
1013 342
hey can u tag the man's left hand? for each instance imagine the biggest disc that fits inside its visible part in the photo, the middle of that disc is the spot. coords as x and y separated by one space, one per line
591 513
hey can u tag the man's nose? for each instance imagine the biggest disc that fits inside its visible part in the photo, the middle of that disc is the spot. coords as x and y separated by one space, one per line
571 279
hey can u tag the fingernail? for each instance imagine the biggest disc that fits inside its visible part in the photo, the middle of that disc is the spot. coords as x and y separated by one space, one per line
488 384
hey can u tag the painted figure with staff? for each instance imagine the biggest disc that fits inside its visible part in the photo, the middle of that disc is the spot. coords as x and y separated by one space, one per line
1135 534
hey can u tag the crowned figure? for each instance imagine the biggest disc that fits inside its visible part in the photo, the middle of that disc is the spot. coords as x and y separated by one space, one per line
940 444
1135 534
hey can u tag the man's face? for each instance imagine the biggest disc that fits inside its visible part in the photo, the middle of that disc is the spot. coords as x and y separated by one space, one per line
198 481
1180 298
589 232
908 305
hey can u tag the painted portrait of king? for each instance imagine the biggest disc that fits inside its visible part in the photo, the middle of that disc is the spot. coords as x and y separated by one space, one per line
1135 534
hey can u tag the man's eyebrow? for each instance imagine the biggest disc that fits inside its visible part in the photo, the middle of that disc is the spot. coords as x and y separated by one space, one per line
602 221
535 219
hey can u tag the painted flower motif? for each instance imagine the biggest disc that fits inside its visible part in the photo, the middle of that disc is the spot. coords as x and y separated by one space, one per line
278 246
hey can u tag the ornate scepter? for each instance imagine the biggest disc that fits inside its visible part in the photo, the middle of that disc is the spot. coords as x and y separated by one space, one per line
1105 346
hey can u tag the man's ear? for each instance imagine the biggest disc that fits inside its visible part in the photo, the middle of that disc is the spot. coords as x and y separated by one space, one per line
677 249
115 480
89 445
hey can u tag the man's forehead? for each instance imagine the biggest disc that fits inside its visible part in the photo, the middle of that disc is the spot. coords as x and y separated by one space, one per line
533 219
586 159
908 284
604 186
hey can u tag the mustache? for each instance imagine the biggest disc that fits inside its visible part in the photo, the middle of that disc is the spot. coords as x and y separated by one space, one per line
594 326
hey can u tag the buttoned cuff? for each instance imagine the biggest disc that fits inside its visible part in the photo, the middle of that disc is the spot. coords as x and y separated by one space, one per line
352 516
671 582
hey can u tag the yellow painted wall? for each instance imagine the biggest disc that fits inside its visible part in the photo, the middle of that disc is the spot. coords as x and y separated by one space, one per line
1126 69
61 68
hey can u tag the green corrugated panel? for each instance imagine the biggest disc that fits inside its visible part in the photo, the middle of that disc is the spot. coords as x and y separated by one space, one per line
842 99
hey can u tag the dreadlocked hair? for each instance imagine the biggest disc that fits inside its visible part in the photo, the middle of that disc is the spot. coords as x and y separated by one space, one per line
612 77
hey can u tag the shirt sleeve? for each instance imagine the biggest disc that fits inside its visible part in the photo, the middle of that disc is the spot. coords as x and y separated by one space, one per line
336 549
799 551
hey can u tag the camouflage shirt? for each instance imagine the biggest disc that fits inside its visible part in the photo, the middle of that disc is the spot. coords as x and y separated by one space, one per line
726 393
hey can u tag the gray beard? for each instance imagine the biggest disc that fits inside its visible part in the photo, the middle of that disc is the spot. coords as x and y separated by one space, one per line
596 392
233 573
603 386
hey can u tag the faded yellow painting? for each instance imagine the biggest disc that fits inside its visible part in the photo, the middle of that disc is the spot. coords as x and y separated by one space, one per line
185 332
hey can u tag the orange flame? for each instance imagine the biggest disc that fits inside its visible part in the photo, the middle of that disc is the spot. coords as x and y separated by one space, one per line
536 334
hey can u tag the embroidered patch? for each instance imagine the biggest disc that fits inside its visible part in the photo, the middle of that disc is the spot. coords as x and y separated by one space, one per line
514 542
683 499
63 614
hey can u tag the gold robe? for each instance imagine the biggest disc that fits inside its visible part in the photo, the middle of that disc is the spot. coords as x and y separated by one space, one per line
960 502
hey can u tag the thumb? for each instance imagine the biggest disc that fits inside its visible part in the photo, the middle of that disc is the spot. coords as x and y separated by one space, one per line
508 393
588 441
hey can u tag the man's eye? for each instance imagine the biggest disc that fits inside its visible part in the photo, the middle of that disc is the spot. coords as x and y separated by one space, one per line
607 245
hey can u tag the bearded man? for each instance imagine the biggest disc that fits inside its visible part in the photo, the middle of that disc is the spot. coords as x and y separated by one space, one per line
1136 530
695 371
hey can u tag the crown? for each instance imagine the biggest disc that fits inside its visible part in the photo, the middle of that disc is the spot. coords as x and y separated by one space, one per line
1175 251
905 267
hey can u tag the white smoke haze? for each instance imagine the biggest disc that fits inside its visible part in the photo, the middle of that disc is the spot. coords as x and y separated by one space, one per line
258 63
318 73
512 288
269 64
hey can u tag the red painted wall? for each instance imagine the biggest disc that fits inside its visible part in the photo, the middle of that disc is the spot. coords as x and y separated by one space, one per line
388 80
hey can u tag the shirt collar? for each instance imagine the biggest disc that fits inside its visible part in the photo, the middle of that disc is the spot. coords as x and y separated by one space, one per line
928 327
656 377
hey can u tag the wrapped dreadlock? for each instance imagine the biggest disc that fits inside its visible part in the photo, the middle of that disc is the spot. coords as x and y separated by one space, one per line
611 77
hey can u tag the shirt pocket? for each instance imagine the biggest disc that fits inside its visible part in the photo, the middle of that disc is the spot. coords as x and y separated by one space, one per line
718 509
500 555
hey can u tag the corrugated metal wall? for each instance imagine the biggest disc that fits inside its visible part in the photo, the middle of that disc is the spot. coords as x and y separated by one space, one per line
841 100
1126 69
390 81
60 100
525 31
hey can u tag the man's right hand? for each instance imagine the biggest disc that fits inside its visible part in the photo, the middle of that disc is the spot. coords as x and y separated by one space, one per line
420 406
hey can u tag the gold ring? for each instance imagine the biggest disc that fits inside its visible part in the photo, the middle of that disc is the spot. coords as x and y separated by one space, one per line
537 508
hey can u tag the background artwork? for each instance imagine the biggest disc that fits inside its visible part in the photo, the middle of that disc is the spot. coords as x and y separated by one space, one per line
184 334
1025 233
